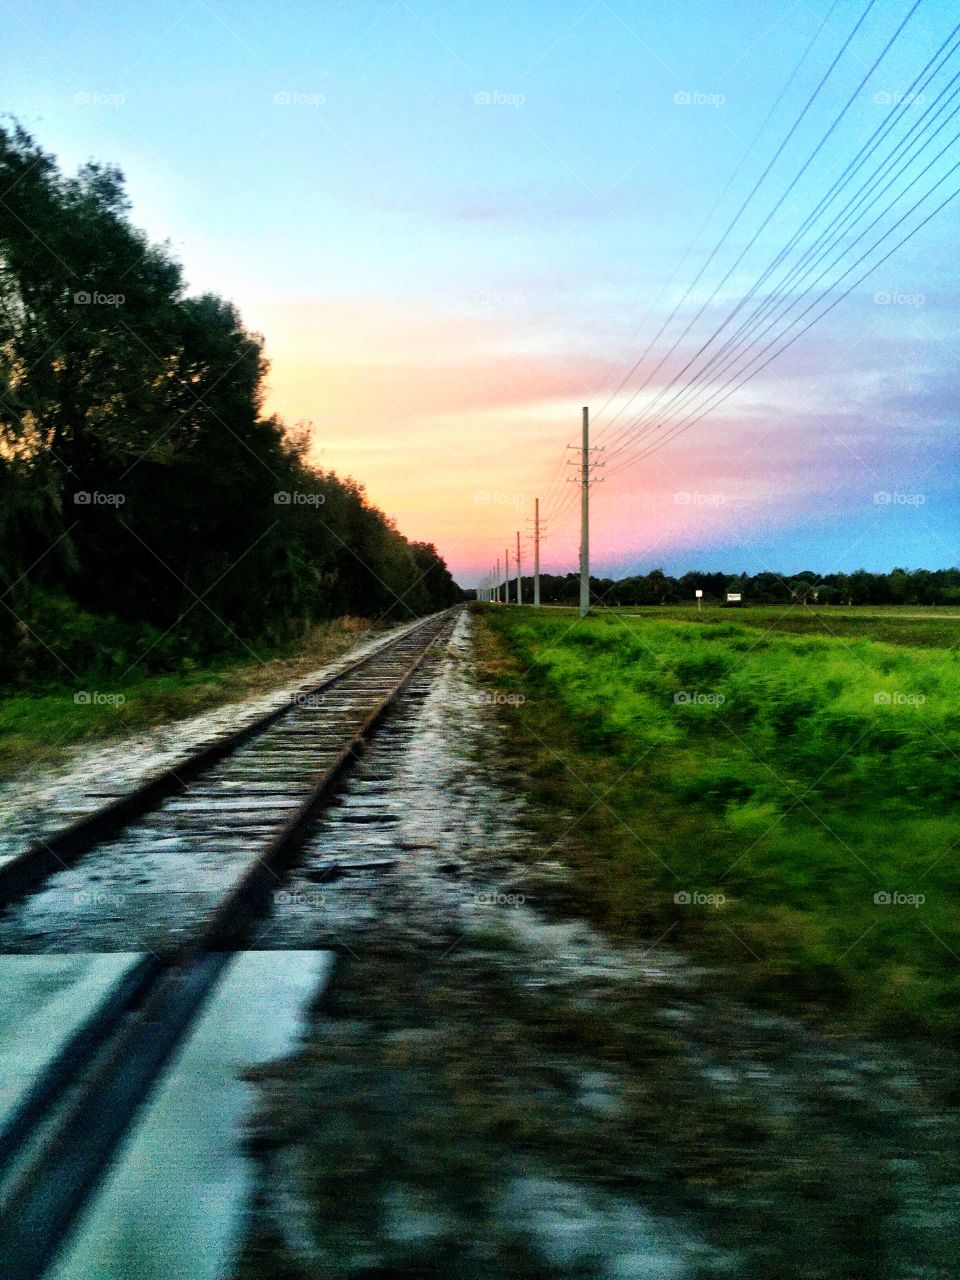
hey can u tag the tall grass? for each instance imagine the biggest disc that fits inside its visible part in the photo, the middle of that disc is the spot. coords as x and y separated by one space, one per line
800 777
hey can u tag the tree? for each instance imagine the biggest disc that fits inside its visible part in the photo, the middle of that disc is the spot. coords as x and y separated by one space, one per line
139 478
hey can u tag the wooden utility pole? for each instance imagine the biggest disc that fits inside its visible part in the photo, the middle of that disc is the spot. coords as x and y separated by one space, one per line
585 516
536 552
519 573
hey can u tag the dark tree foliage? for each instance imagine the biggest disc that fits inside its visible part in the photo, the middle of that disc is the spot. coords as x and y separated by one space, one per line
899 586
140 483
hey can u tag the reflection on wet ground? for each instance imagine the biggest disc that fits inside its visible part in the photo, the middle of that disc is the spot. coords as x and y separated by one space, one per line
495 1089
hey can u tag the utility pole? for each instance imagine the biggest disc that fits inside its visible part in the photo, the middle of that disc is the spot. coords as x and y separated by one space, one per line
506 576
537 534
519 573
536 552
496 590
585 516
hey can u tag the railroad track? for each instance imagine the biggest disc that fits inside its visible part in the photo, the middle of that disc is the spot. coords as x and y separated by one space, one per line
242 807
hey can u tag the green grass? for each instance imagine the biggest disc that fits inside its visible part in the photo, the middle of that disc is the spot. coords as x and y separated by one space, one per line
781 782
915 625
40 727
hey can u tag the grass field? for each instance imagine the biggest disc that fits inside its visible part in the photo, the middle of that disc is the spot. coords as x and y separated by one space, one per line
909 625
777 791
40 727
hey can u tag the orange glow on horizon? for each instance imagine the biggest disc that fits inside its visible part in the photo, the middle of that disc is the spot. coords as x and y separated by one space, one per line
453 426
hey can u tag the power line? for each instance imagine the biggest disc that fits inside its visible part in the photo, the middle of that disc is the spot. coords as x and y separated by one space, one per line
729 352
778 205
748 151
817 245
558 499
685 425
742 209
680 404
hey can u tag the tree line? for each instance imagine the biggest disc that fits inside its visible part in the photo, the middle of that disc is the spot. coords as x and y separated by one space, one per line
899 586
147 502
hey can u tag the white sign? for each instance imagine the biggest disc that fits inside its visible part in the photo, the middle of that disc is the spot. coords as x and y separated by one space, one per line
699 594
734 597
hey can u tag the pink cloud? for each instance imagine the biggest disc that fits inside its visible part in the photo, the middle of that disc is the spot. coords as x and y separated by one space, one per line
454 422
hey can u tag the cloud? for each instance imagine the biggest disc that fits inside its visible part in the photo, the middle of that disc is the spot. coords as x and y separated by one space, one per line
431 408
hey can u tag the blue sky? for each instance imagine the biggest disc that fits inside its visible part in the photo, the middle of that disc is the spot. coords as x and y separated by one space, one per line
456 223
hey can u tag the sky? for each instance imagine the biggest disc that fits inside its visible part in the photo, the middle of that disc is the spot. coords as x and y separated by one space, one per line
457 223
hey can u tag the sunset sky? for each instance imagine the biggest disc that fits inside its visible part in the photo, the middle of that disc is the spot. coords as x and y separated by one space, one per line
456 223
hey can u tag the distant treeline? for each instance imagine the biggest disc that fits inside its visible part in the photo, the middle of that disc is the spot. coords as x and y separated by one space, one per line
899 586
147 505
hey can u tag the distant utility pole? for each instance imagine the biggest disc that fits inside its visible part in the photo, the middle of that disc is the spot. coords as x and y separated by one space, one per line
536 552
506 576
496 590
519 573
585 516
